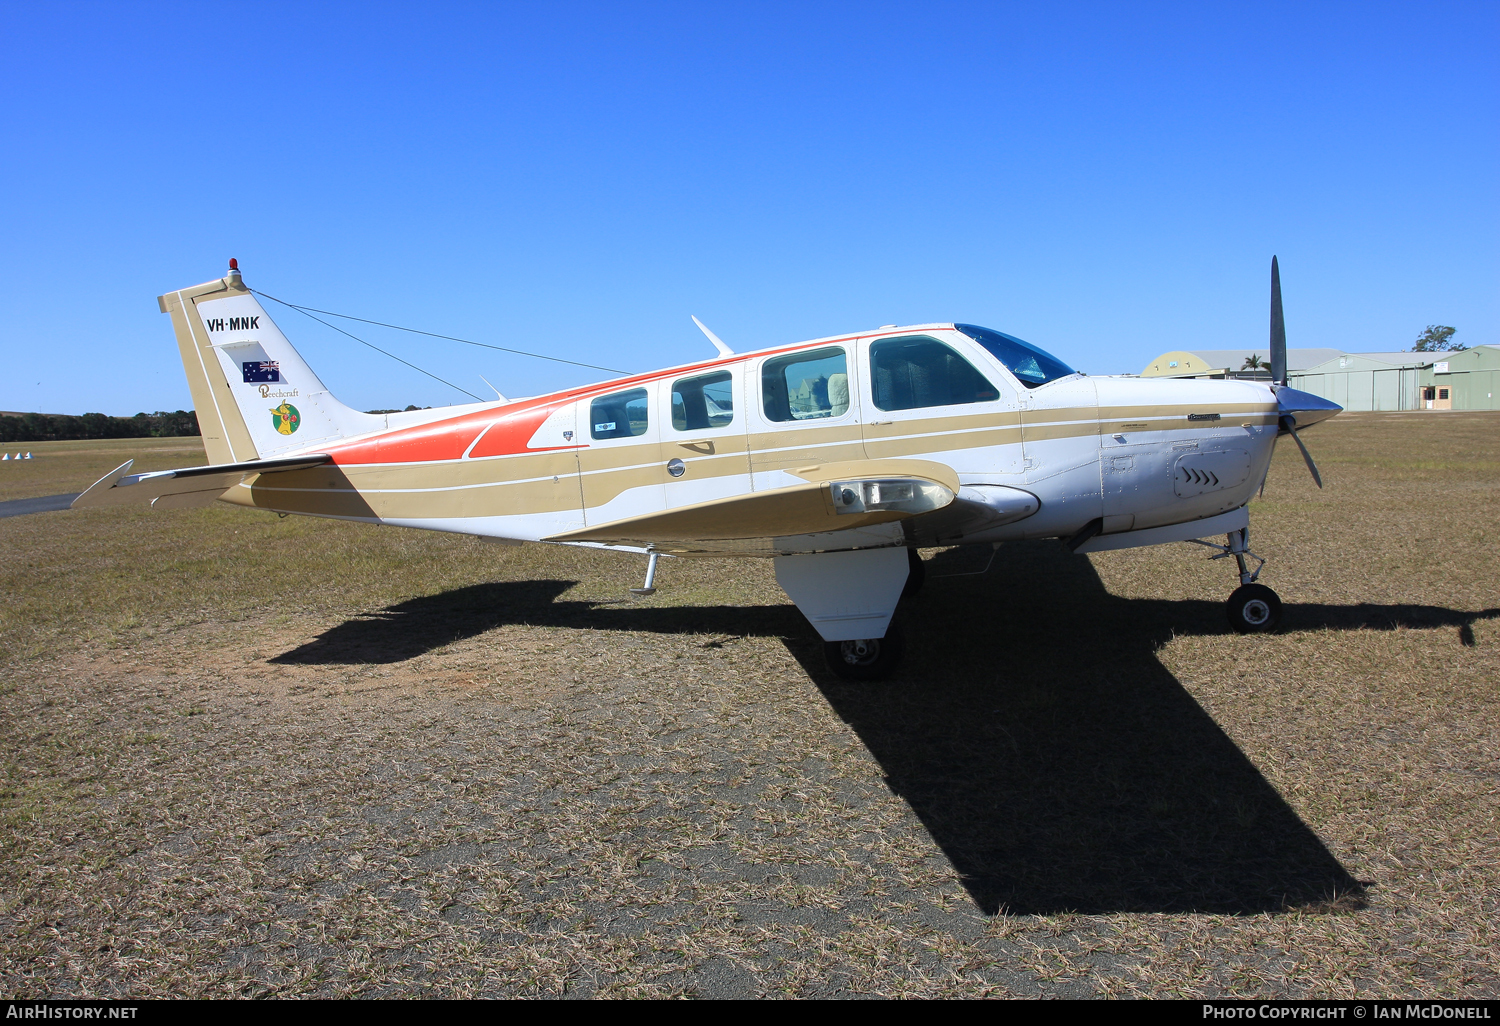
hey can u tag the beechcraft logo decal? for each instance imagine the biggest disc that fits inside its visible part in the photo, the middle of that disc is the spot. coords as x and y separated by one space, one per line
257 371
286 418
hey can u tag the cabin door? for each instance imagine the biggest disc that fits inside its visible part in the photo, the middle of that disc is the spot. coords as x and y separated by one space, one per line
804 411
704 451
928 399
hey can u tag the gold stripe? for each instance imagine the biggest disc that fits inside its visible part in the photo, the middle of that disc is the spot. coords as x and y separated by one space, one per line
462 473
1181 410
913 445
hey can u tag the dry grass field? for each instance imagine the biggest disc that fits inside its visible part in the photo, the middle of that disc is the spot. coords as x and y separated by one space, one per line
251 756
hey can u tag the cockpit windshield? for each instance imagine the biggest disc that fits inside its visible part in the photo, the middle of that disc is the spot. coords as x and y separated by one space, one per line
1031 365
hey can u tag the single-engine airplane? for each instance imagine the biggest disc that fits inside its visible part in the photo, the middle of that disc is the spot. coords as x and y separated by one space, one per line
835 458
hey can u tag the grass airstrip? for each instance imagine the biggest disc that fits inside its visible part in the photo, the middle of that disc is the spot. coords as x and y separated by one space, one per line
250 756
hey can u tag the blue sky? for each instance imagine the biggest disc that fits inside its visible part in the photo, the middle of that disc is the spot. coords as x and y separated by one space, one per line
1106 180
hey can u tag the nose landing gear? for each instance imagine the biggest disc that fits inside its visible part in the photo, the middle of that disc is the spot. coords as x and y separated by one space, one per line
1253 608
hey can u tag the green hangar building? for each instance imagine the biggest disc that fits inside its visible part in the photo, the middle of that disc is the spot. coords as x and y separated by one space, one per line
1465 380
1471 378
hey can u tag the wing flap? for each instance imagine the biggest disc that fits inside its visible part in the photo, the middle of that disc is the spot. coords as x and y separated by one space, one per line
121 488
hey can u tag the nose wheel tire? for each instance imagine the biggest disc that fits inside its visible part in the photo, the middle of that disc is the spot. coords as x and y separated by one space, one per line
865 659
1254 609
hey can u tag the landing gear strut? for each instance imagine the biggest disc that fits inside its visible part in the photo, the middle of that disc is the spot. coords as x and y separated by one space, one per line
649 588
1253 608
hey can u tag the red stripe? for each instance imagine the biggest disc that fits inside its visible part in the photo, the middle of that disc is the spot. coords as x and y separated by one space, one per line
510 434
449 439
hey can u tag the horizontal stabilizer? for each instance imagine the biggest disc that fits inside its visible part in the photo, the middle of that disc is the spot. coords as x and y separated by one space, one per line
121 488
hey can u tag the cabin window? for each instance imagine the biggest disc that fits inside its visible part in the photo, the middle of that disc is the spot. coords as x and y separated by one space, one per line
706 401
917 372
622 415
806 386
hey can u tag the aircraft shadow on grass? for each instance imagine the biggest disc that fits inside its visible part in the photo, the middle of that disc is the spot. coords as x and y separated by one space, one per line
1032 729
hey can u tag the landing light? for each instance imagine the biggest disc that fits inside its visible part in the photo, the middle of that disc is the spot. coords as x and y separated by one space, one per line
899 495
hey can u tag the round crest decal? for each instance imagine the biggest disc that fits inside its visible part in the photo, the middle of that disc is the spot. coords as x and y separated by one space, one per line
286 419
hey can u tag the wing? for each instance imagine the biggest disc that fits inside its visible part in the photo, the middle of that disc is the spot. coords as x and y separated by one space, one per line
190 486
835 497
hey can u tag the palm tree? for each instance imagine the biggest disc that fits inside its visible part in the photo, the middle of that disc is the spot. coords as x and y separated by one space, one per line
1254 362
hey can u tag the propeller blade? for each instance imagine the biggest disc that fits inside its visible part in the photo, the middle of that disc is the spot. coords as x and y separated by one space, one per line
1290 427
1278 330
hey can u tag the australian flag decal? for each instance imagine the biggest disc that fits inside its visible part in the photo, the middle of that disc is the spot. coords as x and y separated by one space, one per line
257 371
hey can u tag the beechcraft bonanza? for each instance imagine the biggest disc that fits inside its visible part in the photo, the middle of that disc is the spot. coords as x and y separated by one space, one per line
835 458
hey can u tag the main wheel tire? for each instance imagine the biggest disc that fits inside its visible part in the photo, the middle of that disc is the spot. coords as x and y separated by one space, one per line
1254 609
916 574
866 659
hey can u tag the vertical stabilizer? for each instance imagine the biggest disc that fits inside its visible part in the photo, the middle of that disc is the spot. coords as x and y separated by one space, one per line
255 396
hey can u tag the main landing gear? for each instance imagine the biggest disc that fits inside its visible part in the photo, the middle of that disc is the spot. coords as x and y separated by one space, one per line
850 598
1253 608
866 659
876 658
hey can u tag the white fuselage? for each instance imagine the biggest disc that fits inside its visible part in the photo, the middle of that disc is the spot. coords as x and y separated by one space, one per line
1135 453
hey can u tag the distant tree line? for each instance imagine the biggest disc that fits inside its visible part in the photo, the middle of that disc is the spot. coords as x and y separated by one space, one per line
55 427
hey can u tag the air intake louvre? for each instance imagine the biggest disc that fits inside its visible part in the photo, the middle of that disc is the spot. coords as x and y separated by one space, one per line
1197 473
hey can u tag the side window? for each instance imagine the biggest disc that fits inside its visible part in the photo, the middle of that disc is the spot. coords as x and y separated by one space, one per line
703 402
621 415
916 372
806 386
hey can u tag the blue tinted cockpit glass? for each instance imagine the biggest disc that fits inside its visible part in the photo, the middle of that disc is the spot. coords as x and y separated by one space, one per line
1031 365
